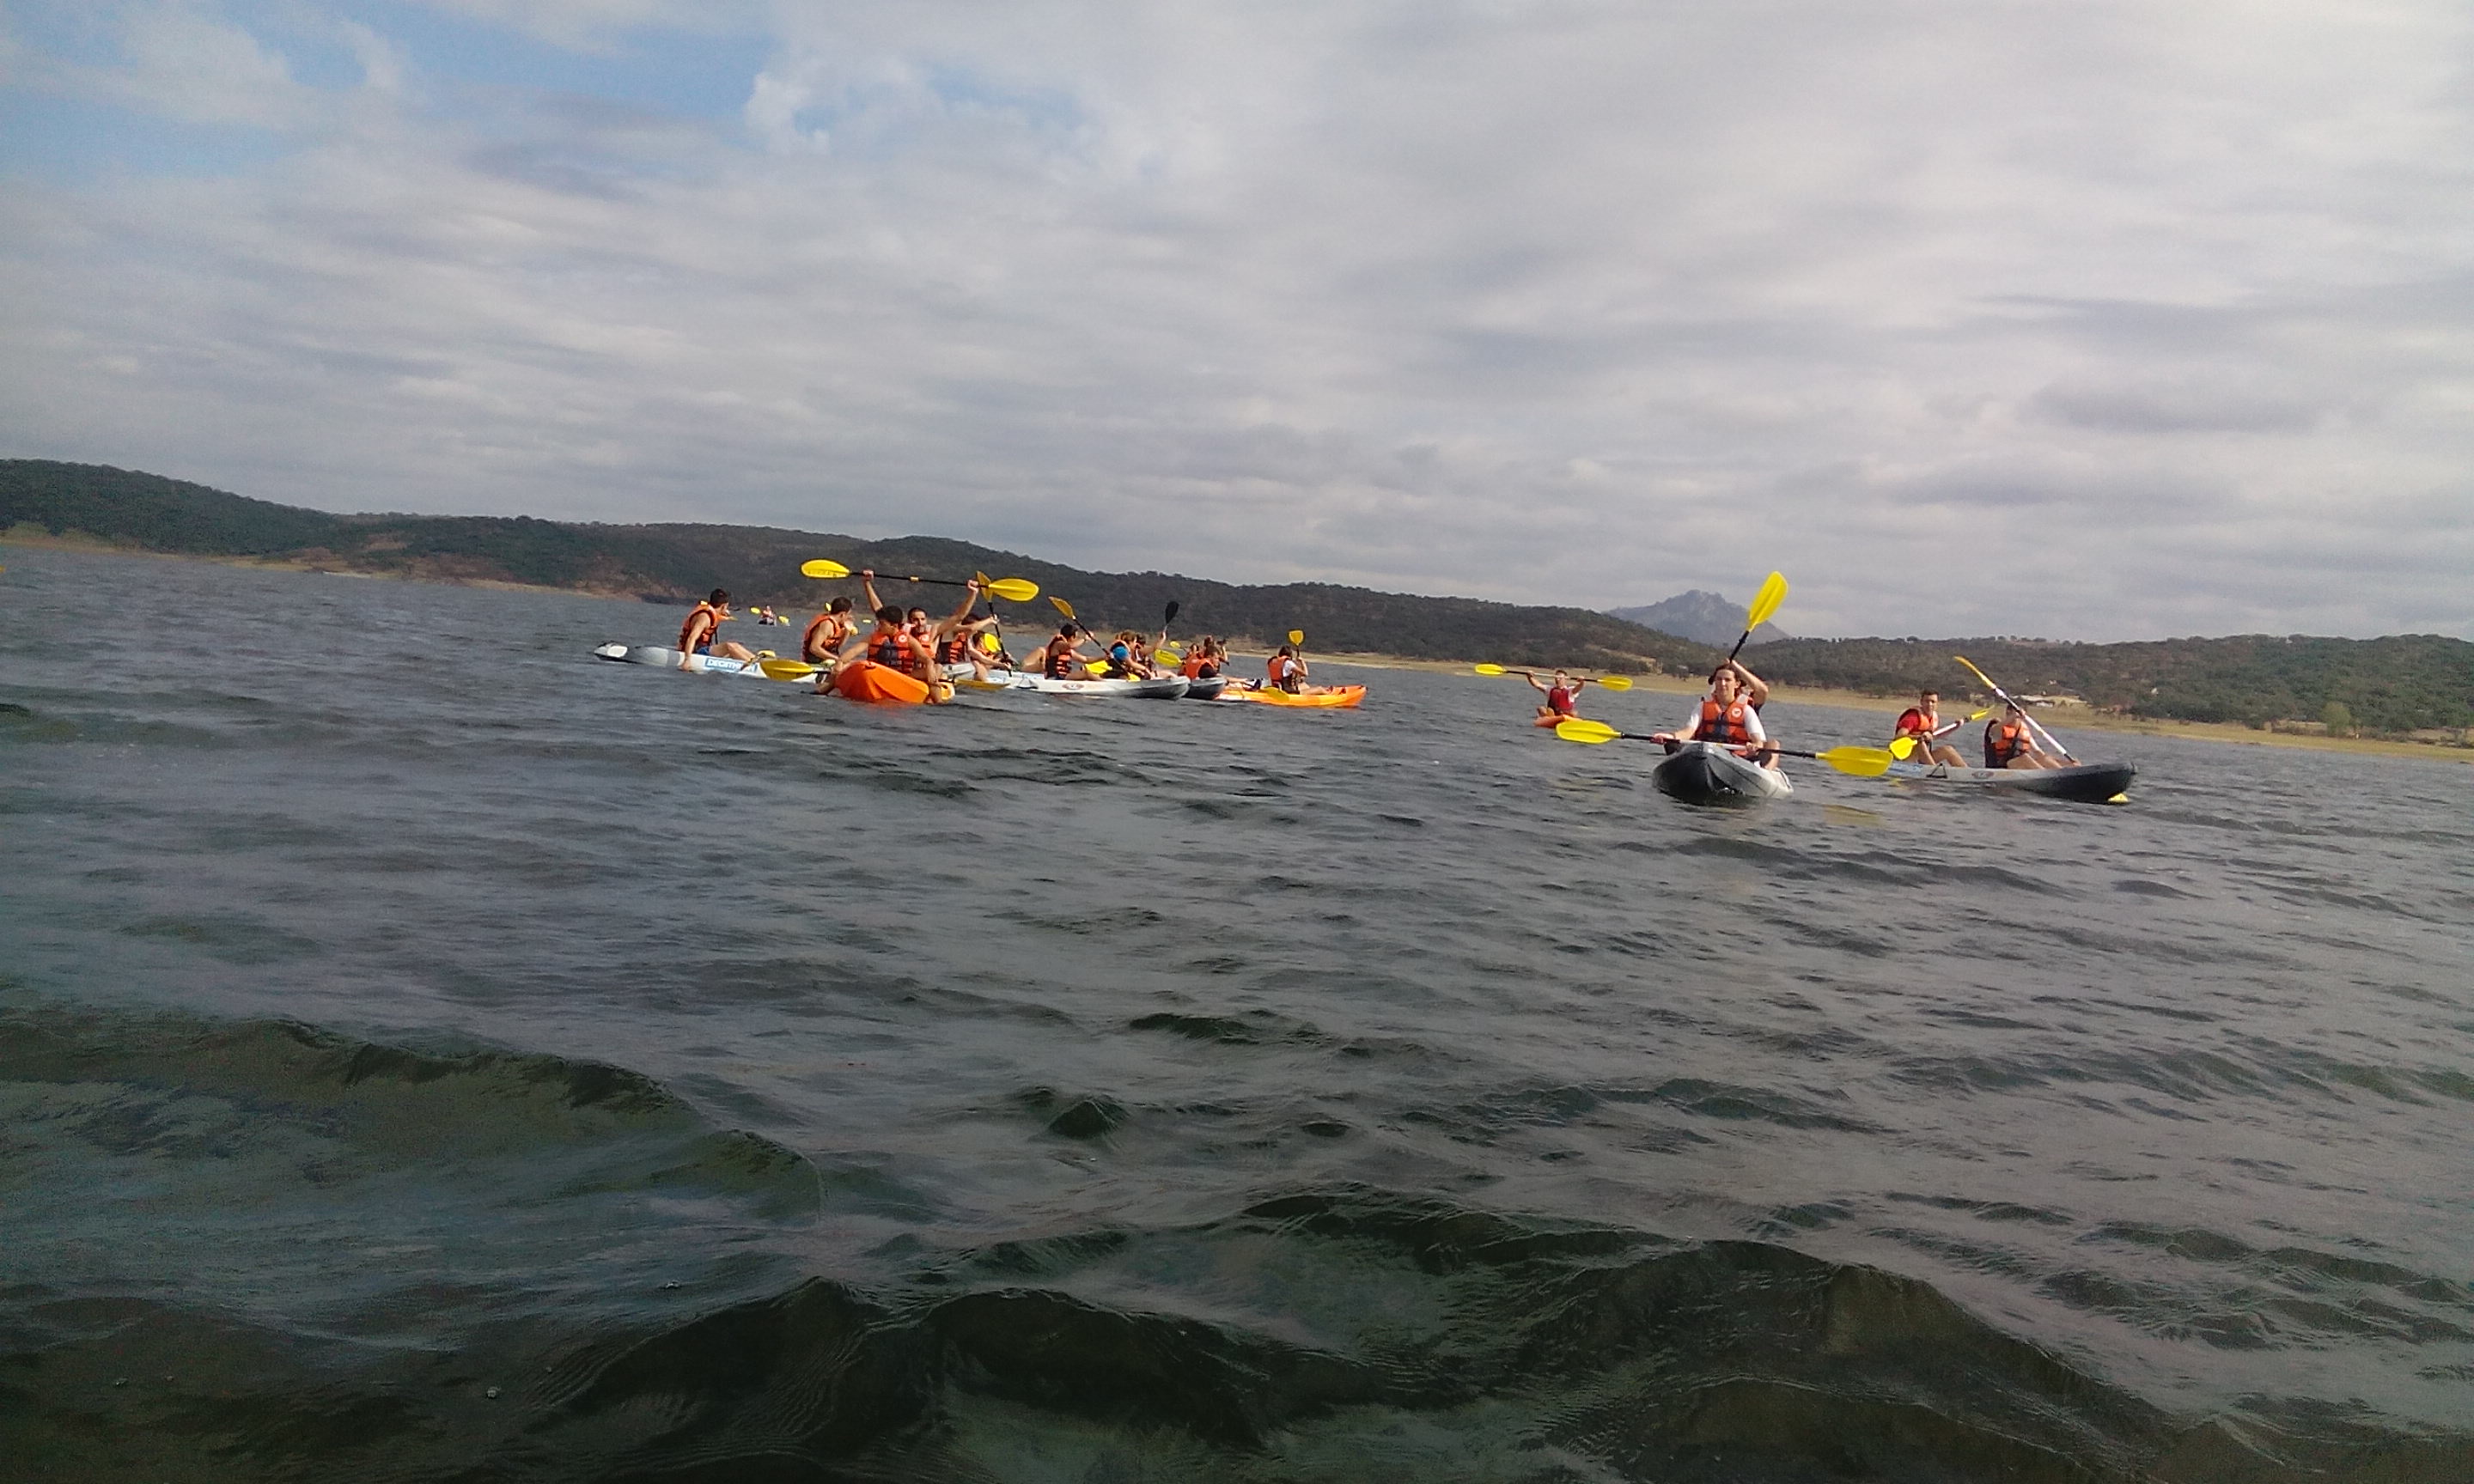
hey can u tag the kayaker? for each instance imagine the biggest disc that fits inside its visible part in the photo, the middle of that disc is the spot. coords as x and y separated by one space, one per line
1204 660
1063 659
956 639
1922 724
1562 698
827 633
2010 743
1285 671
1129 658
1728 718
702 634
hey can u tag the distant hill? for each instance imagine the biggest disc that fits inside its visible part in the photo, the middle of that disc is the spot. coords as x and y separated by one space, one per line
1700 615
678 563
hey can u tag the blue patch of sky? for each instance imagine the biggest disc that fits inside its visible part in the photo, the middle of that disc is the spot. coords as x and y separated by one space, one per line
53 136
72 142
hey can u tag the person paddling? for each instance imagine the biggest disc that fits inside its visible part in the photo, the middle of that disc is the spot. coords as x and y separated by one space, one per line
956 639
827 633
1204 660
1921 723
1562 698
1286 671
1726 718
702 634
1063 659
2010 743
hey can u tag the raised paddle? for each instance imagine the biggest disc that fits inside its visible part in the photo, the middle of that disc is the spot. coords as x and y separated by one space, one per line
1765 603
2048 738
1603 681
1014 589
1863 762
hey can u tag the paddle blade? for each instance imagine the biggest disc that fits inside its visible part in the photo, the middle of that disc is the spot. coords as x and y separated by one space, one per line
1579 730
1296 636
1492 669
1863 762
1097 669
1064 607
1014 589
821 568
1168 617
1616 682
786 669
1170 653
1901 746
1766 601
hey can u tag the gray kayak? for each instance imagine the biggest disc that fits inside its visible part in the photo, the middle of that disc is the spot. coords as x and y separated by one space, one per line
1704 773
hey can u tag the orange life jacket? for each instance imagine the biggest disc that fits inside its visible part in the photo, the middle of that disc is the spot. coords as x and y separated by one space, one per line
1192 669
955 650
2003 741
811 649
1059 661
1913 723
686 631
1564 701
1726 725
891 648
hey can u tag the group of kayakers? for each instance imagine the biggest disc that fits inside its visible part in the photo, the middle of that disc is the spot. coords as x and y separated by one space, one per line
1729 716
935 650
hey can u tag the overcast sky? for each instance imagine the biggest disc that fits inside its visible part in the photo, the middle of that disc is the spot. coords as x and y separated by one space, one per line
2047 317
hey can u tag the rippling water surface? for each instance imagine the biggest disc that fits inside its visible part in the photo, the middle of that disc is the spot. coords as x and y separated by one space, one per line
427 1052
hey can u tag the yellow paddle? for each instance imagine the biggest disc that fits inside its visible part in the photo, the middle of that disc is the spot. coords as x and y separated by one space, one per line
1014 589
1765 603
787 669
1607 681
1863 762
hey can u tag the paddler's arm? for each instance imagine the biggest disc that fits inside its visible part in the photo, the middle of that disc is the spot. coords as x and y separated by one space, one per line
868 586
970 601
1756 691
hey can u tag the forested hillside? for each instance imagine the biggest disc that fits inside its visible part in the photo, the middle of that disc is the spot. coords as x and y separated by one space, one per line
2393 685
676 563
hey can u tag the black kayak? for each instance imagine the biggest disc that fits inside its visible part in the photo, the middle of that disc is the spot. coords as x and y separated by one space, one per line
1699 773
2094 782
1206 690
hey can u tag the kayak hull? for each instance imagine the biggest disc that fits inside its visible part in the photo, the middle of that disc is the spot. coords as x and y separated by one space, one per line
660 654
2097 783
1205 690
1701 773
1166 688
860 680
1343 698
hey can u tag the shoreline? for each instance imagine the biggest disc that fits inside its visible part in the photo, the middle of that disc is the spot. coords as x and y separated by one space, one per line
2074 718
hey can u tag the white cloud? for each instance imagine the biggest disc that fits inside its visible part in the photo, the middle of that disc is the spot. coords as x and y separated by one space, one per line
2100 321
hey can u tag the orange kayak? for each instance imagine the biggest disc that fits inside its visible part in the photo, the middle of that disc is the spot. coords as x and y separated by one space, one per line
1345 696
863 681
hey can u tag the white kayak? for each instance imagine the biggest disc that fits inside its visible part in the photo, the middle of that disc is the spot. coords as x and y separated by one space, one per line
2097 783
1705 773
698 664
1168 688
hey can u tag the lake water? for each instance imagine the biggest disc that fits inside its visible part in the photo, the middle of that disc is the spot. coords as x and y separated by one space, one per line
432 1053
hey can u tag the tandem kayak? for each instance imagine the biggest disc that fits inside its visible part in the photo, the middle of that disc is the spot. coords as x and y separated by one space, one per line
2095 783
1704 773
1170 687
698 664
1342 696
